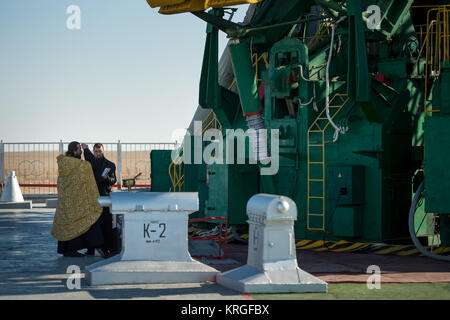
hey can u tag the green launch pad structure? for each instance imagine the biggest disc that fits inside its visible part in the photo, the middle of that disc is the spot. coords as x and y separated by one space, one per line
360 103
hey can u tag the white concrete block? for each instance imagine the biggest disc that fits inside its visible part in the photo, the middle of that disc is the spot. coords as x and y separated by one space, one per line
249 279
271 263
154 241
117 271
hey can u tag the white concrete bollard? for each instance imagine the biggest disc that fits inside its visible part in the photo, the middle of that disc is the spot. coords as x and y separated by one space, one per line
154 241
12 197
271 263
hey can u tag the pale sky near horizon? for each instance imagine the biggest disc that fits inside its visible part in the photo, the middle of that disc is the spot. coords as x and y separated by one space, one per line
129 73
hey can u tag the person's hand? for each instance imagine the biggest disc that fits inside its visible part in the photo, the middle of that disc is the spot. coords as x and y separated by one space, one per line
84 146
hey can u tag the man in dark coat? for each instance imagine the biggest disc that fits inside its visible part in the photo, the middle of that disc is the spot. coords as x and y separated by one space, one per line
105 176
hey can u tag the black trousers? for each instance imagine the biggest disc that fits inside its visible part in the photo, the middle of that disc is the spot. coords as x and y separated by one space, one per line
93 238
107 231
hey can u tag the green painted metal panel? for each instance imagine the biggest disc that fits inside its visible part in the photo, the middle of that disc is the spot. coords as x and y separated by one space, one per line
437 164
230 188
347 222
358 82
159 176
441 98
384 119
445 230
195 178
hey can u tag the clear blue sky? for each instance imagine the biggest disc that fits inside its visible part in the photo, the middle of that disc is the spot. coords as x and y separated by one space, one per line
129 73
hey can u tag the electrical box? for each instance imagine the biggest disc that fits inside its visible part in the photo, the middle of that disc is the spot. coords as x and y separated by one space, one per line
345 184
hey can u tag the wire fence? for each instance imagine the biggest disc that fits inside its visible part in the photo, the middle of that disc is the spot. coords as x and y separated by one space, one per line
37 171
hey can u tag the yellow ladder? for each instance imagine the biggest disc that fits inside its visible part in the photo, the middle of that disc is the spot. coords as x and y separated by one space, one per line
177 178
316 142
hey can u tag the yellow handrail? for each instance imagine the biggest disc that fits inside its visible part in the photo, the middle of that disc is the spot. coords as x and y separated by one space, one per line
438 51
255 64
319 34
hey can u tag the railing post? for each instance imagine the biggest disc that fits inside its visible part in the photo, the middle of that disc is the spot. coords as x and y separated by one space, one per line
61 147
2 163
119 164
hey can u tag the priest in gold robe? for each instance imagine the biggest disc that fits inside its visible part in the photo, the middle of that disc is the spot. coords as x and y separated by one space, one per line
76 223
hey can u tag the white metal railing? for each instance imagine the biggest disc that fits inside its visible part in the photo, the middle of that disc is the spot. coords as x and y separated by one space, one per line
37 171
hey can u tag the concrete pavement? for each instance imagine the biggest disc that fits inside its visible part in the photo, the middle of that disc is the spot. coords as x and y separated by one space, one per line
30 268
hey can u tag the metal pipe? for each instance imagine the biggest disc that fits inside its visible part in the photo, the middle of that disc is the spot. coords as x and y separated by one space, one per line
245 77
242 33
327 101
258 136
330 4
251 105
2 163
119 164
104 201
412 232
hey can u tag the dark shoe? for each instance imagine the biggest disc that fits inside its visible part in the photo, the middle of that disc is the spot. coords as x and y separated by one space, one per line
112 254
102 253
105 253
73 254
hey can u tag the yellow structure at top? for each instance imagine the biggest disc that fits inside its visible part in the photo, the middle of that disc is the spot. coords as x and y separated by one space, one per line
180 6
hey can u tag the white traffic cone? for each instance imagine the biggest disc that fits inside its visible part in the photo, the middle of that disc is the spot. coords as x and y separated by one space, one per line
12 196
11 191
